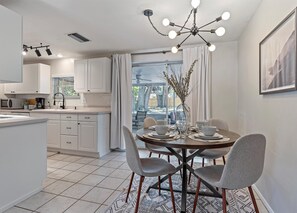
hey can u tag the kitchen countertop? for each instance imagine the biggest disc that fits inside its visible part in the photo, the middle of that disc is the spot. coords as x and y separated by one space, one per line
89 110
17 120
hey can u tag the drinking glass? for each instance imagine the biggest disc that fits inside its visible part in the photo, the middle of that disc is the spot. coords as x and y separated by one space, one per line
182 127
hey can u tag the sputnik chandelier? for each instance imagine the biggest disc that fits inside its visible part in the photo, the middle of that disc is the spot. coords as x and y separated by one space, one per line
26 48
192 31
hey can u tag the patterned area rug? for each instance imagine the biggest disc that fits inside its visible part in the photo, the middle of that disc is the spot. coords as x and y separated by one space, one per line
239 200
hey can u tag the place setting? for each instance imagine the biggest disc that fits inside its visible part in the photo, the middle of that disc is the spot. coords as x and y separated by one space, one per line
162 132
207 133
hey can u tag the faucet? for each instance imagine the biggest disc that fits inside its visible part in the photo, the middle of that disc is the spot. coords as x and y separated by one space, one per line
59 93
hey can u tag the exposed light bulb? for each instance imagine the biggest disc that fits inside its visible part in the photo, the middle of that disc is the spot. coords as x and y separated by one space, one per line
212 48
172 34
60 55
24 52
195 3
174 49
220 31
226 16
166 22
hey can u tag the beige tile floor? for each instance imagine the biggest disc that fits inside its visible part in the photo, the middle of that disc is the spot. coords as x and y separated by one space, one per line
77 184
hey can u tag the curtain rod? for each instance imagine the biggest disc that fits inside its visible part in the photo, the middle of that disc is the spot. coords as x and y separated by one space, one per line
155 52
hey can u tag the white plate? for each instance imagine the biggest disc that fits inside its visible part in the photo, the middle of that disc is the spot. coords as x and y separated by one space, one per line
166 136
171 127
216 136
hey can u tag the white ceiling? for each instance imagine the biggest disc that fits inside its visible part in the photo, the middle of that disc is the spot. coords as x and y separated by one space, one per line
119 25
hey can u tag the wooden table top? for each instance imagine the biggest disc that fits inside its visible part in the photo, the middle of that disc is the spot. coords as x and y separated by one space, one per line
188 143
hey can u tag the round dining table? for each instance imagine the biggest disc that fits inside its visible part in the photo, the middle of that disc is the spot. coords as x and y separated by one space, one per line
185 143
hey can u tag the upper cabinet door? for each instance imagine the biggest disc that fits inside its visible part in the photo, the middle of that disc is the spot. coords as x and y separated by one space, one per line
81 75
11 44
99 75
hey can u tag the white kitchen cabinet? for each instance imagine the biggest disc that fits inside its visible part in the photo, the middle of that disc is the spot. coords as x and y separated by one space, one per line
87 136
36 80
53 133
92 75
11 43
53 128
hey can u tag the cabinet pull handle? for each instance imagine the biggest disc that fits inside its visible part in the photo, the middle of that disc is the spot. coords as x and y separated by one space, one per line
87 117
78 123
68 127
68 142
68 117
88 90
36 91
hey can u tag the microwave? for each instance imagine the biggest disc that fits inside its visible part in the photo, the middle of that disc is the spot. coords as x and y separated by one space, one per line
12 103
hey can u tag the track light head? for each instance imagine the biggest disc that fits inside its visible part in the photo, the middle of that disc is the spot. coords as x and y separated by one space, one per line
48 51
37 52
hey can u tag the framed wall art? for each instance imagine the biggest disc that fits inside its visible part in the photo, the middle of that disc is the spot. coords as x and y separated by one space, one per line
278 57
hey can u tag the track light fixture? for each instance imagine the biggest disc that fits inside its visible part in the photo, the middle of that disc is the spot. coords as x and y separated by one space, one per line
191 31
26 48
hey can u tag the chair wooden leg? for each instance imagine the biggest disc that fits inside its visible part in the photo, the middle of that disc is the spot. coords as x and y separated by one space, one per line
150 155
196 195
159 182
168 158
131 181
192 163
202 162
214 162
172 194
139 192
224 201
224 160
253 199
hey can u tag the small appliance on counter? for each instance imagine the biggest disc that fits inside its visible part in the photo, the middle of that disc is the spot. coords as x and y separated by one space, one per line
12 103
40 103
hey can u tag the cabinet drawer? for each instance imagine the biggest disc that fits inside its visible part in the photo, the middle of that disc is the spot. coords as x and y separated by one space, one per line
69 142
85 117
68 127
69 117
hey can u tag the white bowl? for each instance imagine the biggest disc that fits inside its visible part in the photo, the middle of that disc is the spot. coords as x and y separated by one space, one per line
161 129
209 130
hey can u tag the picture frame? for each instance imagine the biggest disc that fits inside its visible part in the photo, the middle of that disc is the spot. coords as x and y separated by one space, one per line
278 58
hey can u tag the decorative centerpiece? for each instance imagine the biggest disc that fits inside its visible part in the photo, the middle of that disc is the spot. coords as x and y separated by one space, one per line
180 84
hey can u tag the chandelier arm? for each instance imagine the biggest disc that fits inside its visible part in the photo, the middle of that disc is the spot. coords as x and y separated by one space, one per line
207 31
195 13
184 40
162 34
202 38
208 24
184 32
183 27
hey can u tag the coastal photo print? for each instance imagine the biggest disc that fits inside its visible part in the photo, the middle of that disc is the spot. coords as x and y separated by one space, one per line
278 57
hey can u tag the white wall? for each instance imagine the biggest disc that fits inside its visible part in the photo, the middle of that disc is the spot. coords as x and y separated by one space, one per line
224 83
273 115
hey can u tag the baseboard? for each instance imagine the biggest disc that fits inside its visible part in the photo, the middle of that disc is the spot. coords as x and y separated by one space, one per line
268 207
13 203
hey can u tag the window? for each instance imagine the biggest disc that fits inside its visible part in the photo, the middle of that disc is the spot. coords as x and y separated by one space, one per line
65 85
151 93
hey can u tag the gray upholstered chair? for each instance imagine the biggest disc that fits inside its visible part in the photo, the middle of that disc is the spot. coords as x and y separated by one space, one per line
213 154
145 167
243 168
148 122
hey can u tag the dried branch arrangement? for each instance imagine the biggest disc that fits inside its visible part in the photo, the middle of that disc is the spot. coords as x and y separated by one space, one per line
179 83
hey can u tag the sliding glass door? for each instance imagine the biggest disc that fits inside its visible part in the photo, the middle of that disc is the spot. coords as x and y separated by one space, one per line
151 94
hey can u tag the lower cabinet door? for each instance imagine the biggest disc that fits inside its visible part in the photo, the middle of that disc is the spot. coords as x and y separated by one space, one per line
53 133
69 142
87 133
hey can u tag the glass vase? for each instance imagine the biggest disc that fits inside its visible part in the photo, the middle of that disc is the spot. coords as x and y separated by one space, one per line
183 118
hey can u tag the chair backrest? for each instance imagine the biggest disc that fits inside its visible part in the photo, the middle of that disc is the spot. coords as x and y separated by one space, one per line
245 162
148 122
140 115
220 124
132 154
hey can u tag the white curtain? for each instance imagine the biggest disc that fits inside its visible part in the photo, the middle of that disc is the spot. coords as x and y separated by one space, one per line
121 100
199 98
